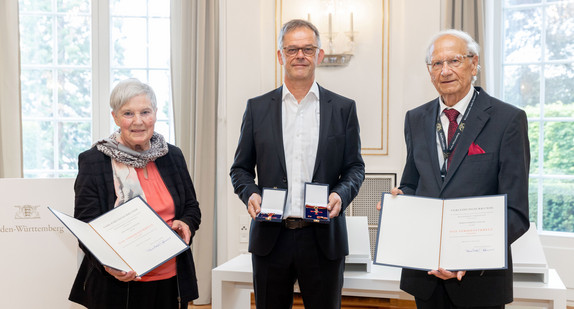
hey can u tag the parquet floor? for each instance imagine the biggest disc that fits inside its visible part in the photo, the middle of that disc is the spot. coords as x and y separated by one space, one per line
348 302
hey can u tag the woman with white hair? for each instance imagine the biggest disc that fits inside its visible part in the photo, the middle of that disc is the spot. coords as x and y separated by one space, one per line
136 161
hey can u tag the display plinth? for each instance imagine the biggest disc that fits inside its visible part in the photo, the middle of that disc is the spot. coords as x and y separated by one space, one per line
232 284
359 257
529 262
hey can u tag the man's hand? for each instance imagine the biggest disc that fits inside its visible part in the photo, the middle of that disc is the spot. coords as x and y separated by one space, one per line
395 191
254 205
445 274
334 205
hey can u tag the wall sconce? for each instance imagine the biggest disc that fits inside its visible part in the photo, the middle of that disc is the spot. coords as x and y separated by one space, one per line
333 58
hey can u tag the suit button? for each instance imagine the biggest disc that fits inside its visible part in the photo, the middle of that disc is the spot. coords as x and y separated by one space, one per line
285 179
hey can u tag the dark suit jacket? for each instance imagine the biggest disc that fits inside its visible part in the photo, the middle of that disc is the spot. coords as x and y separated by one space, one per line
501 131
339 164
95 195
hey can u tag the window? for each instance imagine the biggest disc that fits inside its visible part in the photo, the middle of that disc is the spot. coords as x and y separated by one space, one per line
140 48
72 53
538 76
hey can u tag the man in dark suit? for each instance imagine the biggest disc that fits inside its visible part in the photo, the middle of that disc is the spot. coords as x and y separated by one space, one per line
483 150
298 133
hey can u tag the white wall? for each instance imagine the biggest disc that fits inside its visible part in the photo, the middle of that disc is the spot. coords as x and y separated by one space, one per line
248 70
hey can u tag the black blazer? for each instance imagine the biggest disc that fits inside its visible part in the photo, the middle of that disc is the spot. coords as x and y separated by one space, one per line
95 195
501 130
338 163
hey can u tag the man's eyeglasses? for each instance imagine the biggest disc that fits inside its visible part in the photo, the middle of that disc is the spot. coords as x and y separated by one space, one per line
307 50
454 62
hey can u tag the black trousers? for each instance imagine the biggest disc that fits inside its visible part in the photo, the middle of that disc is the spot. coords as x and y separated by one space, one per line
297 257
440 300
154 294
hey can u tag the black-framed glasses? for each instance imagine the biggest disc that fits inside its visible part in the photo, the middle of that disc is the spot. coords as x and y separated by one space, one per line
454 62
293 50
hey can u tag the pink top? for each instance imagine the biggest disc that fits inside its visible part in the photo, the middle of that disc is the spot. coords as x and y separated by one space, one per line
160 200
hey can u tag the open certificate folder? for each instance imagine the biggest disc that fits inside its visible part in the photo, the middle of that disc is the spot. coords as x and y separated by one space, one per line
454 234
129 237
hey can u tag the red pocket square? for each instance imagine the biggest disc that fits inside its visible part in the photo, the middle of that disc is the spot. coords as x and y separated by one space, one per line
474 149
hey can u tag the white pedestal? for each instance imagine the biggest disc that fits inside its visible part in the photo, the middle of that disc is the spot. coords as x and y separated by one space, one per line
232 283
534 283
528 257
359 257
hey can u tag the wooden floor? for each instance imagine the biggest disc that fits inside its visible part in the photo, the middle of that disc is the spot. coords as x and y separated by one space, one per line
348 302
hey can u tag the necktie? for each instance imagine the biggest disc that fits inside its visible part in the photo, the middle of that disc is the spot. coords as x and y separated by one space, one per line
451 114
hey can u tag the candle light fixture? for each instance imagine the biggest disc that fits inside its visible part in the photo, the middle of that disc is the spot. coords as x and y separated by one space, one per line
334 56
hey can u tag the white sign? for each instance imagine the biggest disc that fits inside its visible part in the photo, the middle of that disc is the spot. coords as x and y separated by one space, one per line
39 255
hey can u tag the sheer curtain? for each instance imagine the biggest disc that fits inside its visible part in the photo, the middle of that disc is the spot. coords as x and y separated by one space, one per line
194 67
468 16
10 124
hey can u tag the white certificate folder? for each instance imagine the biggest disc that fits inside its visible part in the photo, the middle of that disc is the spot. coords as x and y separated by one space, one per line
131 236
454 234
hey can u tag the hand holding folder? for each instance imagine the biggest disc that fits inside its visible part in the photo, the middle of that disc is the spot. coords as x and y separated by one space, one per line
129 238
453 234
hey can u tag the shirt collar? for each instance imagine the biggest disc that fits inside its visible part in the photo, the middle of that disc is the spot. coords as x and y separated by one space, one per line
460 106
313 91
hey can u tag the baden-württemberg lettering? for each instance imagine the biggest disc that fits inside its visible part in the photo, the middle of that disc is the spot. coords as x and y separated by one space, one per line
31 229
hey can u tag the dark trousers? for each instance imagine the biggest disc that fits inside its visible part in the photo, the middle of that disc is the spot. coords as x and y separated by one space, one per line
440 300
154 294
110 293
297 257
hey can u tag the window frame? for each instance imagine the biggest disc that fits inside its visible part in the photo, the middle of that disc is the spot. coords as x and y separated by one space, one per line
493 56
101 37
101 71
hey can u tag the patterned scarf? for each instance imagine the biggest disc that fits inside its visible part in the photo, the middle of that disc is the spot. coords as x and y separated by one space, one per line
121 153
125 161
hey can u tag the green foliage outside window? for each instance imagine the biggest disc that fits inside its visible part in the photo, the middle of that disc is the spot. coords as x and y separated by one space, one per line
552 177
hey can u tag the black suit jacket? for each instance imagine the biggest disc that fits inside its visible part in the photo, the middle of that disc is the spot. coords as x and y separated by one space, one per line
501 131
338 163
95 195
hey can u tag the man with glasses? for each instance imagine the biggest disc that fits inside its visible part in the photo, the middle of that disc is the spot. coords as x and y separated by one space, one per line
465 143
298 133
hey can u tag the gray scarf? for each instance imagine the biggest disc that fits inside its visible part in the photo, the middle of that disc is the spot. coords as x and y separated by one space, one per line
121 153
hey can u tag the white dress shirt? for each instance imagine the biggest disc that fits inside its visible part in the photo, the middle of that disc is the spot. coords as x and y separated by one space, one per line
300 142
460 106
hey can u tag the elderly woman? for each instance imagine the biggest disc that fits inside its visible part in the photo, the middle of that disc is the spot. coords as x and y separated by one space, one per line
134 161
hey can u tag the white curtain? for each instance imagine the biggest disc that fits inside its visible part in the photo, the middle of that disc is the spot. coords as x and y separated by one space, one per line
194 71
10 123
468 16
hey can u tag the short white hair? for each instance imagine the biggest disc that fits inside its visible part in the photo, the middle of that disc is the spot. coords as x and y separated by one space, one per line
129 88
472 48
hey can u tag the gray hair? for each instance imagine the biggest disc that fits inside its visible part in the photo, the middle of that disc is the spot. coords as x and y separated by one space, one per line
294 24
471 45
127 89
472 48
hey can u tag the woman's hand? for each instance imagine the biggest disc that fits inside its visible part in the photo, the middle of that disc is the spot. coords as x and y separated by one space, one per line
182 230
122 275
